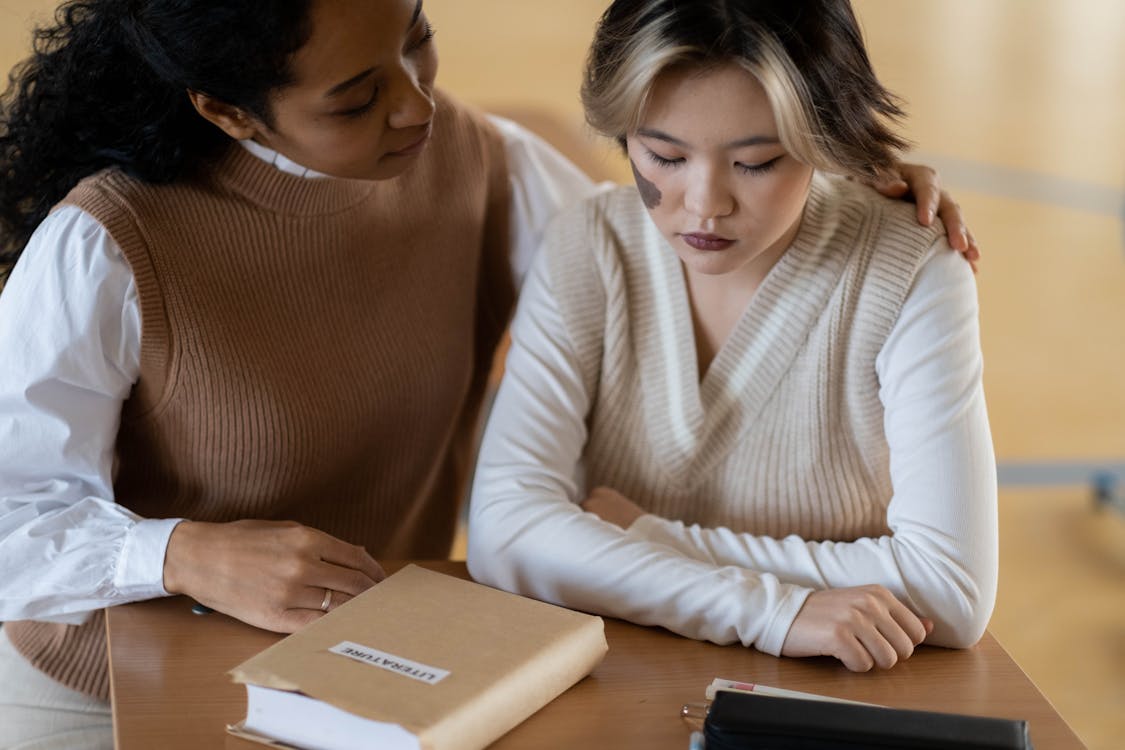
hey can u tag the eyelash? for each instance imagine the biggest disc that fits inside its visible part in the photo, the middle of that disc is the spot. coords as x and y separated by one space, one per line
745 168
762 168
369 105
363 108
427 37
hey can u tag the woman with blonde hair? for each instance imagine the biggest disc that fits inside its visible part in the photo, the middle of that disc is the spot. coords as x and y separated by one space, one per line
743 400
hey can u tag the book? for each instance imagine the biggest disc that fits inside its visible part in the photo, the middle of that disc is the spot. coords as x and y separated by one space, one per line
421 661
741 720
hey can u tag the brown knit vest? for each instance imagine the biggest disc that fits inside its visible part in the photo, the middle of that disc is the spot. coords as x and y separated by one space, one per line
313 350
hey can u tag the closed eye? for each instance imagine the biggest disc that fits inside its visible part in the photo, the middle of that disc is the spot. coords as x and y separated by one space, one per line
660 161
762 168
363 108
427 37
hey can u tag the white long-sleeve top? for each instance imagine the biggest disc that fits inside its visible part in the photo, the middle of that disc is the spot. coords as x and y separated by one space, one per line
70 332
528 534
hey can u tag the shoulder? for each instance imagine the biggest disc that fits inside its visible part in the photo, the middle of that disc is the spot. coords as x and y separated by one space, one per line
879 229
109 186
464 126
876 243
600 223
592 247
114 199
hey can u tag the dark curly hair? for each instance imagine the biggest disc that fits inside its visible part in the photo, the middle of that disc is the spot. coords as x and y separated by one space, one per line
107 86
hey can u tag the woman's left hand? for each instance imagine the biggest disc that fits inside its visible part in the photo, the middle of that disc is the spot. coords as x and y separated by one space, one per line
611 506
924 185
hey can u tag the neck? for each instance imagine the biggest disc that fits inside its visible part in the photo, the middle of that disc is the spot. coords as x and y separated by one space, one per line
718 300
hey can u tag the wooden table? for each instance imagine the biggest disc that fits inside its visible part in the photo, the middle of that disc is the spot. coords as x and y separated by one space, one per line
170 688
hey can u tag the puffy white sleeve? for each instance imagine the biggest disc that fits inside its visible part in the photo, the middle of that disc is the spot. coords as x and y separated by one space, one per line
941 557
527 533
69 355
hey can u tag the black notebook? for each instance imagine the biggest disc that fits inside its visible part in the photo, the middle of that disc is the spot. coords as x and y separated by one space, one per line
738 721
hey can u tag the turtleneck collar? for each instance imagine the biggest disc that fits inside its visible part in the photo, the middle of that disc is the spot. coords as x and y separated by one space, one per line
250 172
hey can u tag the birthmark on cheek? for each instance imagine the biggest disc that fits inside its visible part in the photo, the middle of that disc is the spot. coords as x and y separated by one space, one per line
650 194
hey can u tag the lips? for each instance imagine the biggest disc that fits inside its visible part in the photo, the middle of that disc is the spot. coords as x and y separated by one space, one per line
707 242
414 146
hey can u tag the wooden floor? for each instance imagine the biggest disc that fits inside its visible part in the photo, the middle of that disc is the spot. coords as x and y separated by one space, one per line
1020 103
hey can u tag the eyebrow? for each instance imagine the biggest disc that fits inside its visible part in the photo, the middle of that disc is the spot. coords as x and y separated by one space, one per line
755 140
352 82
355 80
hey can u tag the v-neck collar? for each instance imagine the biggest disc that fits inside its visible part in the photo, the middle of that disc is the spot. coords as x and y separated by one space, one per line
693 423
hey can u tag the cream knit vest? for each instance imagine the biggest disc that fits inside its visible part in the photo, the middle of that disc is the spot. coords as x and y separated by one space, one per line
784 435
312 350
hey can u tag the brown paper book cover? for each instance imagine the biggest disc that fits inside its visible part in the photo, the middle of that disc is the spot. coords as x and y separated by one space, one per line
422 660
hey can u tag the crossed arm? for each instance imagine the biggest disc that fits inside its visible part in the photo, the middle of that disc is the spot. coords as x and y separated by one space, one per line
867 602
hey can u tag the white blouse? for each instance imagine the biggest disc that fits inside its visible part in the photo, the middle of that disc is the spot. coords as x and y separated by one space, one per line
70 333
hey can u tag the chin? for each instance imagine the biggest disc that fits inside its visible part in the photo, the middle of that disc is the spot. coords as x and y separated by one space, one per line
710 263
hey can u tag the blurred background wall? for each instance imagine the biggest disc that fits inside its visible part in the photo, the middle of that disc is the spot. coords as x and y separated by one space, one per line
1021 106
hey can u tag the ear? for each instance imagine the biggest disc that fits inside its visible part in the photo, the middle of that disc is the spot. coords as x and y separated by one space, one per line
231 120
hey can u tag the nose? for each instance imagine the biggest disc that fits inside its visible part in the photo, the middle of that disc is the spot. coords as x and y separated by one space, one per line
708 196
413 105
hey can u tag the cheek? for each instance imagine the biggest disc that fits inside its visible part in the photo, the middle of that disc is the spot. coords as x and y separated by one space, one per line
428 67
787 195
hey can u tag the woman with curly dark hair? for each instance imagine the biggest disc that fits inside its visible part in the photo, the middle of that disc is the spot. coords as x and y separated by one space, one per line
259 268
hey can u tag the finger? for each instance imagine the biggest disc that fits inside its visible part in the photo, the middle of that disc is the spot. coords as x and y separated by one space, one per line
315 598
854 655
292 620
898 638
893 188
878 647
603 493
926 186
974 249
325 575
339 598
954 222
280 620
906 622
352 556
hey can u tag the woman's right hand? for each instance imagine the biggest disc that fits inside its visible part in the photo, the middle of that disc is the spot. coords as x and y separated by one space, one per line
270 574
862 626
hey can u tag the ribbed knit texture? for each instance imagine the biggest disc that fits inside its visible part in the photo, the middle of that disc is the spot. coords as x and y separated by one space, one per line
312 350
784 435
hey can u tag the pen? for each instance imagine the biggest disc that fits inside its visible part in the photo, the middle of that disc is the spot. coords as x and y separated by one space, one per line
200 609
694 714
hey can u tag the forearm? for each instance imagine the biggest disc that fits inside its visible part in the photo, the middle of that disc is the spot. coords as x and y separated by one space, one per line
546 547
946 576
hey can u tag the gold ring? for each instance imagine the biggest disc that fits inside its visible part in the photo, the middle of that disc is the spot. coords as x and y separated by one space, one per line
327 600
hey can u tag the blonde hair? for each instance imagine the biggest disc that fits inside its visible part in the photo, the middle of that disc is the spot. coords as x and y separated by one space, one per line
831 111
